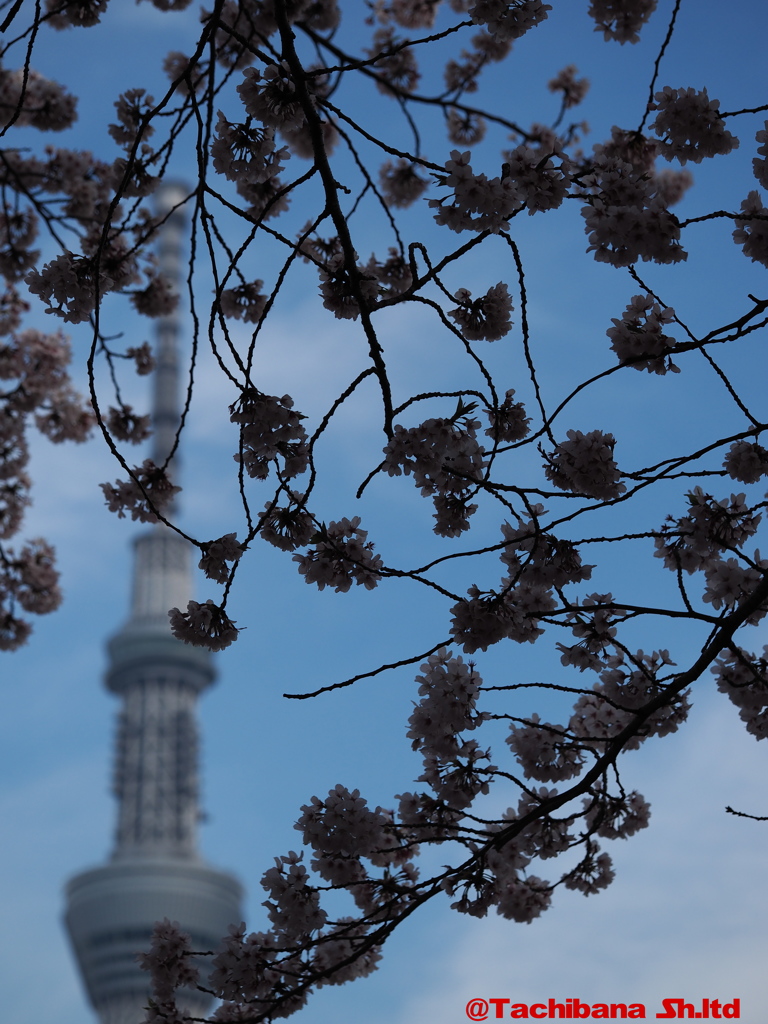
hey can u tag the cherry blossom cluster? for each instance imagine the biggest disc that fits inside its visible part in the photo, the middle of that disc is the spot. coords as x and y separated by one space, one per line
584 464
340 556
509 20
593 873
479 203
485 618
70 286
746 461
294 905
30 580
401 183
446 460
168 961
626 217
394 276
245 302
538 563
638 338
342 829
35 388
126 425
245 153
592 623
203 625
541 184
288 527
264 99
17 233
711 527
517 898
744 678
395 63
621 19
462 76
443 455
544 752
573 89
751 231
217 553
617 817
28 98
486 318
269 427
342 288
408 13
760 163
690 125
148 492
627 683
729 582
508 422
449 689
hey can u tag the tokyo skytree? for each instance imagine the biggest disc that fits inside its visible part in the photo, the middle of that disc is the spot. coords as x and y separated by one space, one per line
155 870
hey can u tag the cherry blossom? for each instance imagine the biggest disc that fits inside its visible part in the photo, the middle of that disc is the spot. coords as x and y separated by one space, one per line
217 553
592 874
362 137
167 960
397 69
479 203
573 89
68 285
246 154
638 337
540 183
287 528
742 676
29 98
340 291
126 425
142 356
508 422
269 428
449 690
486 318
746 461
752 231
626 218
584 464
760 163
509 21
148 490
157 299
245 302
690 126
443 455
401 184
203 625
621 19
618 818
340 556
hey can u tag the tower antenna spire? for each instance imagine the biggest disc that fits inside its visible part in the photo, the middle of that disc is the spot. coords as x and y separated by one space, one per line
155 870
166 407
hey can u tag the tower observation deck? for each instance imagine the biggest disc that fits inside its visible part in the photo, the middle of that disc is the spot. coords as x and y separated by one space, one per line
155 870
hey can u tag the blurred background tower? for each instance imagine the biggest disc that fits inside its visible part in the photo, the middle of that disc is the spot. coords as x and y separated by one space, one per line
155 870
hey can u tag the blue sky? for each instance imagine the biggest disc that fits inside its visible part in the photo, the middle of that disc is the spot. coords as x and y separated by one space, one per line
686 914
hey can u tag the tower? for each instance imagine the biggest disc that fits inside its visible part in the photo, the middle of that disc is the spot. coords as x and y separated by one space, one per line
155 870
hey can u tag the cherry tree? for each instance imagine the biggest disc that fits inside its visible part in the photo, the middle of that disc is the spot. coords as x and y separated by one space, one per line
267 108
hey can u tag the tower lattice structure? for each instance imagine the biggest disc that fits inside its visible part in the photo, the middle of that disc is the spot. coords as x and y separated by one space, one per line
155 870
